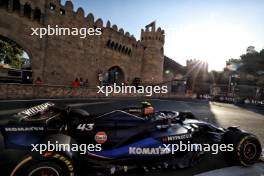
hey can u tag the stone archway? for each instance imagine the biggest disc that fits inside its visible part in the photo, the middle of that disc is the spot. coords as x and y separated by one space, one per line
15 62
16 28
13 41
115 75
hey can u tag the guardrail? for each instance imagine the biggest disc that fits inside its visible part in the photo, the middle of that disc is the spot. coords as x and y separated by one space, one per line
234 100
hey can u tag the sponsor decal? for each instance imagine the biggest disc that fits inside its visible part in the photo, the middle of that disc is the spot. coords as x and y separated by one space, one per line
148 151
36 109
66 161
135 110
21 129
100 137
176 137
85 127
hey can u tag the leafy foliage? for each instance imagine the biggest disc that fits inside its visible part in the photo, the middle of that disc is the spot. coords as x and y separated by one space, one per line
253 63
251 70
10 53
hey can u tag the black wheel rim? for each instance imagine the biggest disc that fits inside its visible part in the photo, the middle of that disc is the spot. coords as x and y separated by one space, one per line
44 171
250 150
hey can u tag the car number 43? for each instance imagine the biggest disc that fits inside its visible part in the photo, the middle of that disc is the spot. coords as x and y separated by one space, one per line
85 127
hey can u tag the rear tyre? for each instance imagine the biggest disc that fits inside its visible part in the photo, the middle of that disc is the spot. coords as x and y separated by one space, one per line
247 148
39 166
45 169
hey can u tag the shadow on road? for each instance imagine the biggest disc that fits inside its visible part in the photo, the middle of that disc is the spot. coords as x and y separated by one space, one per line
254 108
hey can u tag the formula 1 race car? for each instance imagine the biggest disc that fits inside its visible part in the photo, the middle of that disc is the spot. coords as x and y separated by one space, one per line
64 142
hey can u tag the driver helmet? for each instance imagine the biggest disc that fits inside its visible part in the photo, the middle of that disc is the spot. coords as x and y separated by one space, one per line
147 109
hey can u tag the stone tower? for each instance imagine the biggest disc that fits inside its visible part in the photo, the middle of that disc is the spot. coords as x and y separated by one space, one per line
153 57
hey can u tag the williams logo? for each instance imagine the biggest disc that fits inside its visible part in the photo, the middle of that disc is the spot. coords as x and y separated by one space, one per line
176 137
34 110
148 151
14 129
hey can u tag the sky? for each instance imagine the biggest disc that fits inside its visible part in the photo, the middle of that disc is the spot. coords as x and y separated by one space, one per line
209 30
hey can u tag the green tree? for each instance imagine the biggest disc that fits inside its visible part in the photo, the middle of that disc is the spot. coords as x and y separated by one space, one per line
10 53
250 68
232 60
253 63
262 52
219 77
253 67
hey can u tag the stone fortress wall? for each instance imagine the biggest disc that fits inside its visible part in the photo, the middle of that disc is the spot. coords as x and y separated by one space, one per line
60 59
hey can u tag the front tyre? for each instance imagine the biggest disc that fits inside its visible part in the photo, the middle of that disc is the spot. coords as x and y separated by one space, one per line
247 148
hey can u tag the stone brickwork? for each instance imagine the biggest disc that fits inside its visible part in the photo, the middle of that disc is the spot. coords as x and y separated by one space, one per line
23 91
60 59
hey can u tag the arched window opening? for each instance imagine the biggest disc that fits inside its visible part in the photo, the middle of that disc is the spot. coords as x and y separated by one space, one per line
108 44
123 49
112 45
15 64
119 48
37 14
27 11
52 7
116 45
62 11
16 6
115 75
129 52
4 3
